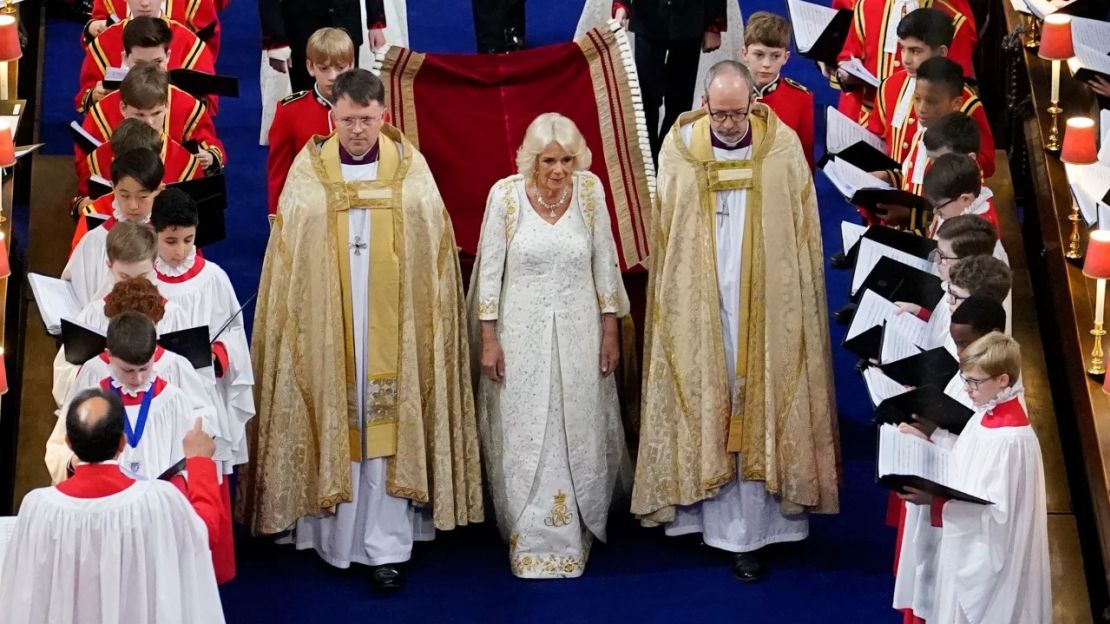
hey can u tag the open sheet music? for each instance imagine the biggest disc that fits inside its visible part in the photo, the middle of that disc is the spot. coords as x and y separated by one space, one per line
879 386
1041 8
855 67
870 252
906 460
957 389
850 233
841 132
56 300
902 337
1090 184
1089 62
872 310
1104 130
849 179
809 21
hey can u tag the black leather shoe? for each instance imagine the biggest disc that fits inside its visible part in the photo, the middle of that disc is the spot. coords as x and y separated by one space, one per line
844 315
748 568
386 579
840 261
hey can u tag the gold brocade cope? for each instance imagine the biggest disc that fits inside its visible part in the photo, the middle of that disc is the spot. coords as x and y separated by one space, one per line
382 197
422 421
780 416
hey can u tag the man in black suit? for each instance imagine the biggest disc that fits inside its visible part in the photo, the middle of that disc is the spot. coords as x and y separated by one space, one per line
670 35
289 23
498 25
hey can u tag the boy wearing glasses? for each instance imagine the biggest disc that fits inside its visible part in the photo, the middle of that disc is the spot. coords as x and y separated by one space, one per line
953 185
766 50
305 114
993 562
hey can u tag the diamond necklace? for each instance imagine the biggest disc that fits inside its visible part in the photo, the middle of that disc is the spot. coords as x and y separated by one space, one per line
551 207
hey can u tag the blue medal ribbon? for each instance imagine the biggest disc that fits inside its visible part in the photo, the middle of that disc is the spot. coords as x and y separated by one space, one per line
136 434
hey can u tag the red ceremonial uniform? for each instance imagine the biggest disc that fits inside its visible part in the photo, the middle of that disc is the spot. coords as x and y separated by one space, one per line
196 15
207 498
186 120
298 118
106 51
898 88
793 103
866 41
178 163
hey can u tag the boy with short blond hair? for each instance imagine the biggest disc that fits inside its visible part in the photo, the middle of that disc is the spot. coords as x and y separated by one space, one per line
766 50
302 115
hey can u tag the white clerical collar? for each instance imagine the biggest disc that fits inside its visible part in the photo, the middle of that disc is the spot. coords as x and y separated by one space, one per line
164 267
321 99
134 392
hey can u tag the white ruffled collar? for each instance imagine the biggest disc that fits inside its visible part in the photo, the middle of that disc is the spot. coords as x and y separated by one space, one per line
132 392
981 204
164 268
1017 389
118 215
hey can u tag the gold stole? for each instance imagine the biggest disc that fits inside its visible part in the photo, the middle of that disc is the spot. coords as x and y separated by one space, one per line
382 197
724 176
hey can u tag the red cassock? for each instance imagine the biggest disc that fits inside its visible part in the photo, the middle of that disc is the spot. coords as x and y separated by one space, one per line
106 51
298 118
866 41
197 15
179 165
899 140
186 120
209 500
793 103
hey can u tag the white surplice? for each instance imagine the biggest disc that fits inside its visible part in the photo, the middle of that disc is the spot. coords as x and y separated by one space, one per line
140 555
171 416
744 516
551 430
198 386
994 560
374 528
87 268
92 316
205 296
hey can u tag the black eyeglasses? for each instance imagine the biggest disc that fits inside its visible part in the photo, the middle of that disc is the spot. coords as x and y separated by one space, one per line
720 116
974 383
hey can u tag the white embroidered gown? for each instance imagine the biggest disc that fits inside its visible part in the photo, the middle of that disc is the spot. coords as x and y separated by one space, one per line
551 430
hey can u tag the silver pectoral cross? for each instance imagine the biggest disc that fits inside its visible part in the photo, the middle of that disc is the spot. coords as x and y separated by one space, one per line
358 245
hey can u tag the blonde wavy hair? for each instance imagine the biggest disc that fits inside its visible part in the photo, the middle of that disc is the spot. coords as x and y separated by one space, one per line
544 130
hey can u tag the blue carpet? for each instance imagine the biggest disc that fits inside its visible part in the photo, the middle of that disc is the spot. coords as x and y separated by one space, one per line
841 574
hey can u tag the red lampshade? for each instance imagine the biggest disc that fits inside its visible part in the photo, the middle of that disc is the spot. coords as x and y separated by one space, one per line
1056 38
5 267
1079 142
7 145
1096 264
3 372
9 39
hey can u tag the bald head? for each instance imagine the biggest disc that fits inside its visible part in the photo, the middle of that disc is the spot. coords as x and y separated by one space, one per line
726 78
94 425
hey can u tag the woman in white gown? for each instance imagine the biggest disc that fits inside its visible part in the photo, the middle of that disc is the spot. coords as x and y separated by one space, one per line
546 293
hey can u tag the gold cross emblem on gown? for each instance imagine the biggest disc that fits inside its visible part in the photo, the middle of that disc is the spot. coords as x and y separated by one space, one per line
358 245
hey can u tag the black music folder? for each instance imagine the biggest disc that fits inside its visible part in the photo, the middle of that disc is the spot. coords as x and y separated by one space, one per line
928 403
819 31
81 343
210 195
934 367
191 344
896 281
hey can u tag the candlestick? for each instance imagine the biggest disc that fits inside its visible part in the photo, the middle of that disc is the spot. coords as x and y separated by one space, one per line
1054 109
1098 362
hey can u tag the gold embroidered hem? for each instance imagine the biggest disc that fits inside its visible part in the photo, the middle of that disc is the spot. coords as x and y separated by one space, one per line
548 565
